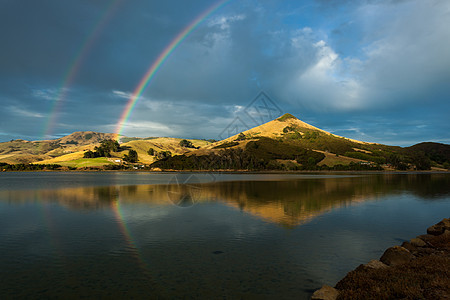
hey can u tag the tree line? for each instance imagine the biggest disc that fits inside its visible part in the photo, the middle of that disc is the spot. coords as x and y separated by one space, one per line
108 146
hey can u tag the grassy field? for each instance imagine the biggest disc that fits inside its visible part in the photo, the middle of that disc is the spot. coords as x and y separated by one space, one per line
87 162
160 144
63 158
332 159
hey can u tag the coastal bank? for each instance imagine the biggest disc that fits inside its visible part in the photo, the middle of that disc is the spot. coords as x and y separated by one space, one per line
418 269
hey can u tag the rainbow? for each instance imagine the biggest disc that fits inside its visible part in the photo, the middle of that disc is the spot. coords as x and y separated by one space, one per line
132 247
76 63
159 61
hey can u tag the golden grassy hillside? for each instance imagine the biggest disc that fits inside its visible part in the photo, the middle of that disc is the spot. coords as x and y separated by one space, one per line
73 156
49 151
159 145
274 129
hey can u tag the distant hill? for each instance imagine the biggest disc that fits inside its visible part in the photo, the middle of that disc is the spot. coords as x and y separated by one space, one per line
84 138
285 143
21 151
440 153
69 150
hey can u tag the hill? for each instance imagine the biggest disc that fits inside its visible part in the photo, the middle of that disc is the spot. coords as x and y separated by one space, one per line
69 150
288 143
437 152
21 151
285 143
285 127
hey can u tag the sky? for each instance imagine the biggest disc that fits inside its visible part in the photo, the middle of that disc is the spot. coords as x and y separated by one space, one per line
376 71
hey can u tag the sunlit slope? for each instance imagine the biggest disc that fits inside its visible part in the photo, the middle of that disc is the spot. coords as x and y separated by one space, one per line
284 127
70 149
21 151
297 133
159 145
63 158
141 146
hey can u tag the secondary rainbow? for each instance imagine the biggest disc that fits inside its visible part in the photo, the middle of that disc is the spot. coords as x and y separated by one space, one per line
76 63
159 61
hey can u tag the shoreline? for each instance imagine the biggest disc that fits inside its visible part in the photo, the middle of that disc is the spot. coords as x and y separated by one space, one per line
418 269
244 171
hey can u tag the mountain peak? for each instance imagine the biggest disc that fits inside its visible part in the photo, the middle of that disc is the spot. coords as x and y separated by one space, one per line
85 137
286 117
280 127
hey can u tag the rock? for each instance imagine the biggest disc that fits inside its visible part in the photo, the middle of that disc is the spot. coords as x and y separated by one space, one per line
375 264
435 229
418 242
446 223
325 293
439 228
409 246
426 237
396 256
446 233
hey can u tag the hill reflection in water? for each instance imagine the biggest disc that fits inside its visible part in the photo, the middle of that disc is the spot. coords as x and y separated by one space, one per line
288 203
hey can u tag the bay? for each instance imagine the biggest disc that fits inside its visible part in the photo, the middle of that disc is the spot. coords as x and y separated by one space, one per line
203 235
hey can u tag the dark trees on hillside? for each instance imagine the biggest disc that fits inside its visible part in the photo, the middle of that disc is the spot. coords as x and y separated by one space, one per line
104 150
132 156
397 162
186 144
421 161
163 154
240 137
258 155
89 154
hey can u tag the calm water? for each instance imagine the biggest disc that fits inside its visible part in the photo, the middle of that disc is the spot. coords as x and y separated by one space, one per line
142 235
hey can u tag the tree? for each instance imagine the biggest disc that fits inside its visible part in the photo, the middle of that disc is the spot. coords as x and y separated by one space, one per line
151 151
106 146
110 145
89 154
240 137
396 161
421 161
163 154
186 144
132 156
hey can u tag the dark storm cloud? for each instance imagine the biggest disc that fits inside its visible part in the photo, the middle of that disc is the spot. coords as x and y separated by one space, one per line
345 66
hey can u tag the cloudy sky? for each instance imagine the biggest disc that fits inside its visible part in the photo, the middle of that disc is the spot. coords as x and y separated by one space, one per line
377 71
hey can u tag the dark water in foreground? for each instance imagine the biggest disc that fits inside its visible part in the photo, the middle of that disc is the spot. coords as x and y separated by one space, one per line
142 235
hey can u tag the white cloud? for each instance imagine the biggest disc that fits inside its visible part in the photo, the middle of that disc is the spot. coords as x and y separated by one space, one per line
325 84
224 21
147 128
24 112
48 93
128 96
121 94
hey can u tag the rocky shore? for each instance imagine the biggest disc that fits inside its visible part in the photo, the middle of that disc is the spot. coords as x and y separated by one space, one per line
418 269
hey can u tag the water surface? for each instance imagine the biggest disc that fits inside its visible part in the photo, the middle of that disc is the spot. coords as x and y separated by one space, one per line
144 235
